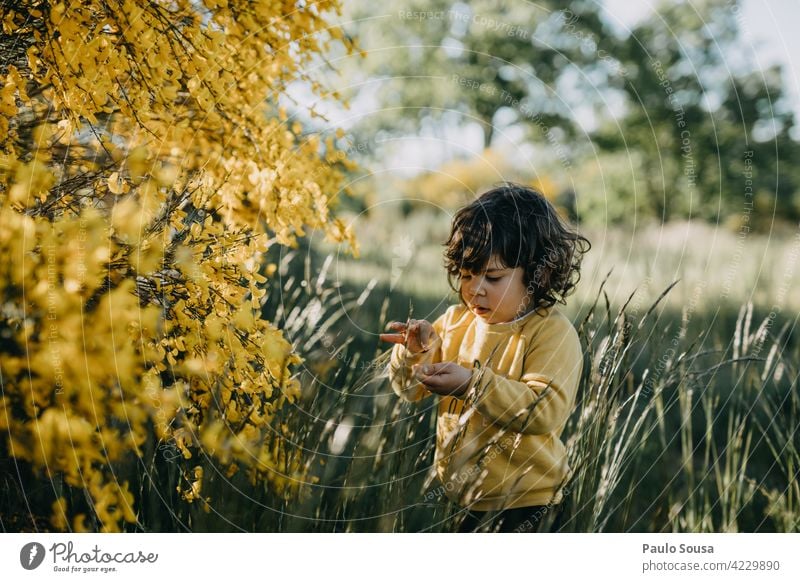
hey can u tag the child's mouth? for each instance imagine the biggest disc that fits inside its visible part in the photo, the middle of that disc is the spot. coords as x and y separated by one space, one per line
480 310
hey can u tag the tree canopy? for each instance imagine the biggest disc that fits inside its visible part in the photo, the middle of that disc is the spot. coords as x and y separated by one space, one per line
673 118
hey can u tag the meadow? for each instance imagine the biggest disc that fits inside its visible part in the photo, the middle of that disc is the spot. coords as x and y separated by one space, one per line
686 419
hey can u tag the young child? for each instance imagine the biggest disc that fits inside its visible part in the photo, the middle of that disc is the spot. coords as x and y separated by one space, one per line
505 362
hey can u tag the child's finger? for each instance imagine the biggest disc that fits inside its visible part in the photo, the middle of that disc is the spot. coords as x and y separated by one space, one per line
426 370
395 338
396 325
425 336
421 372
433 380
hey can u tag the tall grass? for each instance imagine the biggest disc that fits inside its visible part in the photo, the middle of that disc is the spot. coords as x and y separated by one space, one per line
678 447
675 429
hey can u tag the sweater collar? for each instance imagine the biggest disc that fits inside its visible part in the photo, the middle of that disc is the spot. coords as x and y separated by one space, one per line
506 326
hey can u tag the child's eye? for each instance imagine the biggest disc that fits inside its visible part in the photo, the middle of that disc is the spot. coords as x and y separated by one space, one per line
491 279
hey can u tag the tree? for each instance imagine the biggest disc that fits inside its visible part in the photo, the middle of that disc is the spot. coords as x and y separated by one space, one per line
677 105
145 168
698 123
445 62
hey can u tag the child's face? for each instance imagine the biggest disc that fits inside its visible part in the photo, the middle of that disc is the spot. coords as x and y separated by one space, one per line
497 294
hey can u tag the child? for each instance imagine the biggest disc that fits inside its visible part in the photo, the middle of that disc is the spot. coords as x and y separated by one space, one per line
506 363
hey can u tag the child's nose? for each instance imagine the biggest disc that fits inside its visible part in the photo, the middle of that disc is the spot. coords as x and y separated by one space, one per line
475 287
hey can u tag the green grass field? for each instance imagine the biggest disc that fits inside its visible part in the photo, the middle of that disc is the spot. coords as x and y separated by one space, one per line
688 410
686 419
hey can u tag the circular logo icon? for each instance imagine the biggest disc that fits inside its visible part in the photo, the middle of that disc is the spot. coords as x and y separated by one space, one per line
31 555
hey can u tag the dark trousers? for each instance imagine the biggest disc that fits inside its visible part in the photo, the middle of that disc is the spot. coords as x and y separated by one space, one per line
517 520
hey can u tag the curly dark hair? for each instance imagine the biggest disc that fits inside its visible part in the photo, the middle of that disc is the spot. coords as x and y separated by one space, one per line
521 227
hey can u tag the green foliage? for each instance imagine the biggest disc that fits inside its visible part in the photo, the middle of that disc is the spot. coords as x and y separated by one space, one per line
707 136
446 62
674 118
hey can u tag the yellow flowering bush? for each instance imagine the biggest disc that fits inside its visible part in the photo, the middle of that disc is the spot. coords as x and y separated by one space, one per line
145 168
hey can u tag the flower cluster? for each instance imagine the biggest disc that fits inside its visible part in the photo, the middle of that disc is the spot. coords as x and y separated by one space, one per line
143 176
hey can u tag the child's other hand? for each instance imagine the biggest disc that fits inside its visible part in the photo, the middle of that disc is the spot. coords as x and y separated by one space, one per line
444 378
417 335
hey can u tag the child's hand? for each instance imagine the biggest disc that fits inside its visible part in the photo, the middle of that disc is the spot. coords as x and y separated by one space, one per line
417 335
444 378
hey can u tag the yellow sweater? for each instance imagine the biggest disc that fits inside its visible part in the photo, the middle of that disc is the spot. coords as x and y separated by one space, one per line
499 446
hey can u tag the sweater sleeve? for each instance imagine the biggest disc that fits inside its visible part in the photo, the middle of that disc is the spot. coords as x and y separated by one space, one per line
404 384
543 398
